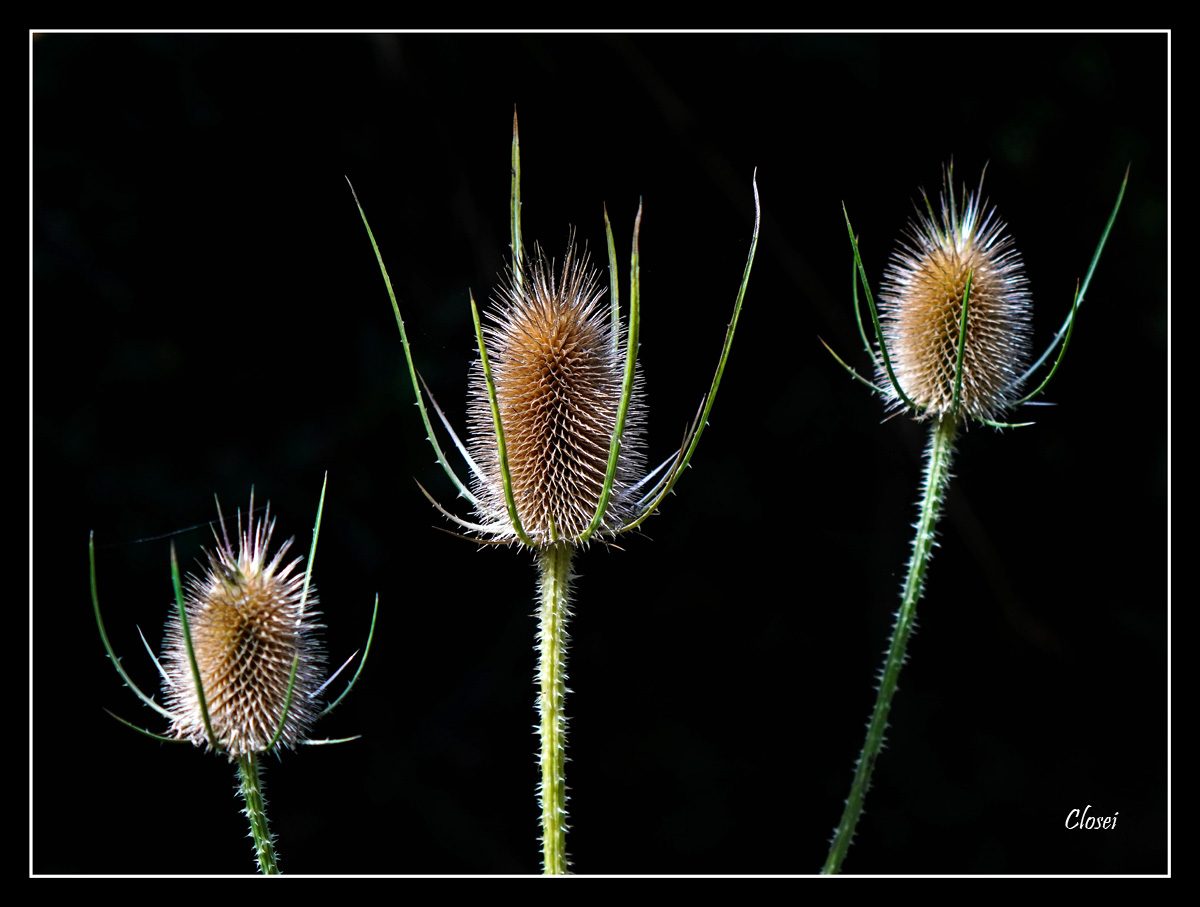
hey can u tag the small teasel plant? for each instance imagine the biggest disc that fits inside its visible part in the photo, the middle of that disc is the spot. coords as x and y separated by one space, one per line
555 443
952 339
242 660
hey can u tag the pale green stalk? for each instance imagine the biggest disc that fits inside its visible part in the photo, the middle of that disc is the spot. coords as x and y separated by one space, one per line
937 478
554 566
256 812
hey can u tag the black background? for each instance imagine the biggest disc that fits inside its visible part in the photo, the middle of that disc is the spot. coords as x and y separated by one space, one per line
208 316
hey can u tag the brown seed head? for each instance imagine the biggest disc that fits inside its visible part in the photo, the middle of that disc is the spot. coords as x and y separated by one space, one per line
921 307
558 365
247 626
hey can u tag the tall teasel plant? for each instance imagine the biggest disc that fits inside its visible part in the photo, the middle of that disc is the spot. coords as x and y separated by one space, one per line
242 663
555 443
952 346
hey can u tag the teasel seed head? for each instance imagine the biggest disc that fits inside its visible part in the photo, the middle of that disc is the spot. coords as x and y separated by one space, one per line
250 620
558 363
556 441
921 308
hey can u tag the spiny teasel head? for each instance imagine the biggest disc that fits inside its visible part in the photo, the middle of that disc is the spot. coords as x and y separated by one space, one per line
249 619
921 308
556 443
558 362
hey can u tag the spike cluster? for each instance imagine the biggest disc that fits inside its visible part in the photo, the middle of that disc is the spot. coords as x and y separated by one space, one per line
249 621
558 364
921 307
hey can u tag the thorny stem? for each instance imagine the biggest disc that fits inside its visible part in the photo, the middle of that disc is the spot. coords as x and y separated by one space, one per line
554 566
937 478
256 812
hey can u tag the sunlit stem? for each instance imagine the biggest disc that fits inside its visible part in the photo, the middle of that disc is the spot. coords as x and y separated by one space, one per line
256 812
937 477
554 564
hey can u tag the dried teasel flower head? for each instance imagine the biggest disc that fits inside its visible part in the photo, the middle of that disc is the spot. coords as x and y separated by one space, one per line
241 662
250 619
952 332
558 362
556 448
963 248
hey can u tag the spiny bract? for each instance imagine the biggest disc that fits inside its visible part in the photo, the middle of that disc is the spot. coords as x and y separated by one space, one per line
922 306
558 363
249 620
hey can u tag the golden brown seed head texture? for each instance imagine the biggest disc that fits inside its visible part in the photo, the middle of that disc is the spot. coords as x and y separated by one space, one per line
921 308
558 364
247 626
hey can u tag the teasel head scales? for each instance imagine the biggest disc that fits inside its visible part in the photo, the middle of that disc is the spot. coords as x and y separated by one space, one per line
250 620
558 361
921 308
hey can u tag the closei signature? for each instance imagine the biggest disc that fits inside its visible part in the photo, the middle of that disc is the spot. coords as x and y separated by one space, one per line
1079 818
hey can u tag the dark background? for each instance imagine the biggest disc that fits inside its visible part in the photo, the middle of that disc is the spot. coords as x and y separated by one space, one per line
208 316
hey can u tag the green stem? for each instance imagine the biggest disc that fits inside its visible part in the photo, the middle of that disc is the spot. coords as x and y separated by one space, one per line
554 566
937 478
256 812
